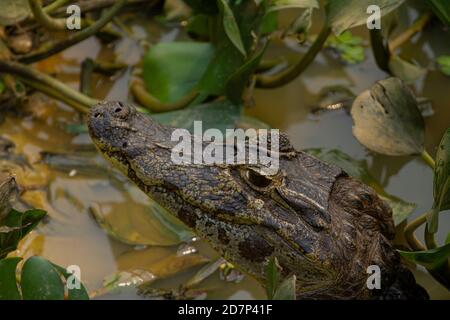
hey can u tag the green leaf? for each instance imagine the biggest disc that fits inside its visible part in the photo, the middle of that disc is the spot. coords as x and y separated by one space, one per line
286 290
441 8
431 259
387 119
227 58
237 82
444 64
73 293
358 169
292 4
8 283
231 27
404 70
221 115
441 186
13 11
41 281
348 46
171 70
346 14
15 226
272 277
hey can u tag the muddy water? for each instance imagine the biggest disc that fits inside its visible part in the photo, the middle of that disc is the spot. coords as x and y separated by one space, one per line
71 236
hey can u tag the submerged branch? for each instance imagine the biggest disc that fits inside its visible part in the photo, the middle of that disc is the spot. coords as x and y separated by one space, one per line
153 104
289 74
37 78
56 47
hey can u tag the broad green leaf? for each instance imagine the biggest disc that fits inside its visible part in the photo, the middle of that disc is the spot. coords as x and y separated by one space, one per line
444 64
349 47
13 11
358 169
272 277
41 281
441 8
73 293
286 290
172 70
231 27
346 14
292 4
8 282
387 119
221 115
151 225
441 186
431 259
15 226
404 70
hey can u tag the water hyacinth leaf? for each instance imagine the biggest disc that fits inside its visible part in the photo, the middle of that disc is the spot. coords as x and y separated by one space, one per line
441 185
430 259
15 226
8 282
272 277
404 70
151 225
231 27
73 292
348 46
292 4
358 169
442 9
41 281
13 11
387 119
172 70
286 290
301 25
221 115
346 14
444 64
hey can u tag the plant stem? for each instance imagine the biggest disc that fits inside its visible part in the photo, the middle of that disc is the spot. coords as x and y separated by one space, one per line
55 94
29 73
153 104
428 159
416 27
289 74
379 49
55 5
87 68
413 242
44 19
55 47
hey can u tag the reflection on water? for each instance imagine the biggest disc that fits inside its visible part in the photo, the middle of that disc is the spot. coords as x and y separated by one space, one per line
72 236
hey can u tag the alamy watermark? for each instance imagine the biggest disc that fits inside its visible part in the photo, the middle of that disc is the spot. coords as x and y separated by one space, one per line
374 20
238 146
374 280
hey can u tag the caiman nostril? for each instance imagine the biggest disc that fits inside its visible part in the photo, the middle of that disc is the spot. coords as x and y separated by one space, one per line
118 110
97 115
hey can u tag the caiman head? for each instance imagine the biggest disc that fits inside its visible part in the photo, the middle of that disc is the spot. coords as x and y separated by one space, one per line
321 225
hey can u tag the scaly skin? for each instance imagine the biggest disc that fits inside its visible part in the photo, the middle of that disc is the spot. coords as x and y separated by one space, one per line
320 224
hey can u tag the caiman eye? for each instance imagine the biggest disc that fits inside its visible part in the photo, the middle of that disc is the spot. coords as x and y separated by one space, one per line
258 180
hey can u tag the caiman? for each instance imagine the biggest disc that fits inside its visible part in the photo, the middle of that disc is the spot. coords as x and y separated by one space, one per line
320 224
